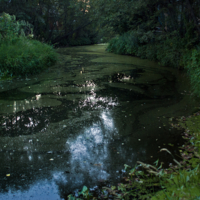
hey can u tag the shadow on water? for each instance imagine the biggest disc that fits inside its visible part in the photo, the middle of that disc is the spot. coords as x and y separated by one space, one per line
82 120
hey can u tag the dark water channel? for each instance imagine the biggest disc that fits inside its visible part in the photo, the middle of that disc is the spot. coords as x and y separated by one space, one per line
79 122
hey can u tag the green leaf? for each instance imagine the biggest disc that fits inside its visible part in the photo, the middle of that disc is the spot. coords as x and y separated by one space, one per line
71 197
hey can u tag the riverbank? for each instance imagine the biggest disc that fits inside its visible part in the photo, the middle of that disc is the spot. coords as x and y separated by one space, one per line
184 181
170 51
180 181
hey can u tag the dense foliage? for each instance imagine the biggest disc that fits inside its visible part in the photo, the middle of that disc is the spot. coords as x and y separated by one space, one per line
19 54
167 31
166 50
58 22
156 16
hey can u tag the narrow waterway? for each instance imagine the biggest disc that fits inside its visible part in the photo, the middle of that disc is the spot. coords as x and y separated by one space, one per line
80 121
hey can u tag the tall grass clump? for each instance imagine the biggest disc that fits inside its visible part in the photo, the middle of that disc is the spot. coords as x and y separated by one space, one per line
166 49
19 53
25 57
125 44
191 60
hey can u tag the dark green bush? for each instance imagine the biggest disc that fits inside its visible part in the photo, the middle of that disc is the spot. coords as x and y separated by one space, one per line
25 57
192 64
151 51
168 50
142 52
20 55
164 49
79 41
128 43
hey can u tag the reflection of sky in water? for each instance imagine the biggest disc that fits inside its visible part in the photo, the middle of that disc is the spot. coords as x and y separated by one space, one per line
92 155
90 158
44 190
89 153
86 155
107 120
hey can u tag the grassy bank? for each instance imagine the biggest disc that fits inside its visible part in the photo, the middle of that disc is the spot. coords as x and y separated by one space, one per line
184 181
19 54
25 57
180 181
167 50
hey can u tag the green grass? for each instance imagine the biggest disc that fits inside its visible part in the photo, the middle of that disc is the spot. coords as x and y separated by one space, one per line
192 64
25 57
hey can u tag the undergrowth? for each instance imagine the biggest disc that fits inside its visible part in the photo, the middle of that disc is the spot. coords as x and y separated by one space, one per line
168 50
19 53
25 57
180 181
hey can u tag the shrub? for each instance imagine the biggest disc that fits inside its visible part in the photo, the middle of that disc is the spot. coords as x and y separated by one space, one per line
125 44
25 57
192 63
11 30
19 55
168 50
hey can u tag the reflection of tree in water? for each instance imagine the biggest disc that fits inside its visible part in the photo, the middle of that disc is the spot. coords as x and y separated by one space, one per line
33 120
88 158
96 154
132 74
25 122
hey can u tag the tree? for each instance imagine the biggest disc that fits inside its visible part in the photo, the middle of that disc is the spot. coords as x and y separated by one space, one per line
54 20
149 15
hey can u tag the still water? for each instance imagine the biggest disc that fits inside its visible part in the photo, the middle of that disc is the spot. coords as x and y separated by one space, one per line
80 121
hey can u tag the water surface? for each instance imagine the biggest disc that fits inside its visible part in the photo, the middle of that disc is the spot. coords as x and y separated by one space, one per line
80 121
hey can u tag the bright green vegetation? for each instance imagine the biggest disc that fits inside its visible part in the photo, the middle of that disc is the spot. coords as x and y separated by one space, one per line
167 51
20 55
25 57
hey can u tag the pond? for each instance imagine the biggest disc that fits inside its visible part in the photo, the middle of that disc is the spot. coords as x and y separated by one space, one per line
80 121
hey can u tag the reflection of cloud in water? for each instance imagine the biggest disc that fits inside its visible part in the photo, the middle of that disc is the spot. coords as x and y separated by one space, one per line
44 190
107 120
59 177
89 152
